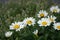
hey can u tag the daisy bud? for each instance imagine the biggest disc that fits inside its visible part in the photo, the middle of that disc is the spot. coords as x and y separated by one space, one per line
8 34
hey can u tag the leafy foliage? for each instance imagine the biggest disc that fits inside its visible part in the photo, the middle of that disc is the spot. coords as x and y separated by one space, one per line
18 10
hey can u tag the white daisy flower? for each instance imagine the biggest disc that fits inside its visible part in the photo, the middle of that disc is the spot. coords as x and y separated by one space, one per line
29 21
17 26
42 13
44 22
57 26
55 9
8 34
35 32
52 18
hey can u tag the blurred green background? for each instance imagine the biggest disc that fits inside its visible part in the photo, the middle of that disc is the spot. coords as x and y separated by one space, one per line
17 10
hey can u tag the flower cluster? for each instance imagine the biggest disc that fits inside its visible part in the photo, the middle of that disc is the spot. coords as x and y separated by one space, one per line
44 20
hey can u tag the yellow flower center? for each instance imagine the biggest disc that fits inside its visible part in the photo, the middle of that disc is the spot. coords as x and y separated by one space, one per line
16 26
44 23
55 10
51 19
58 27
42 15
29 22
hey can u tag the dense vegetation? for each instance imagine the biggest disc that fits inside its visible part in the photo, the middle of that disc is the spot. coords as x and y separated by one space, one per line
18 10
